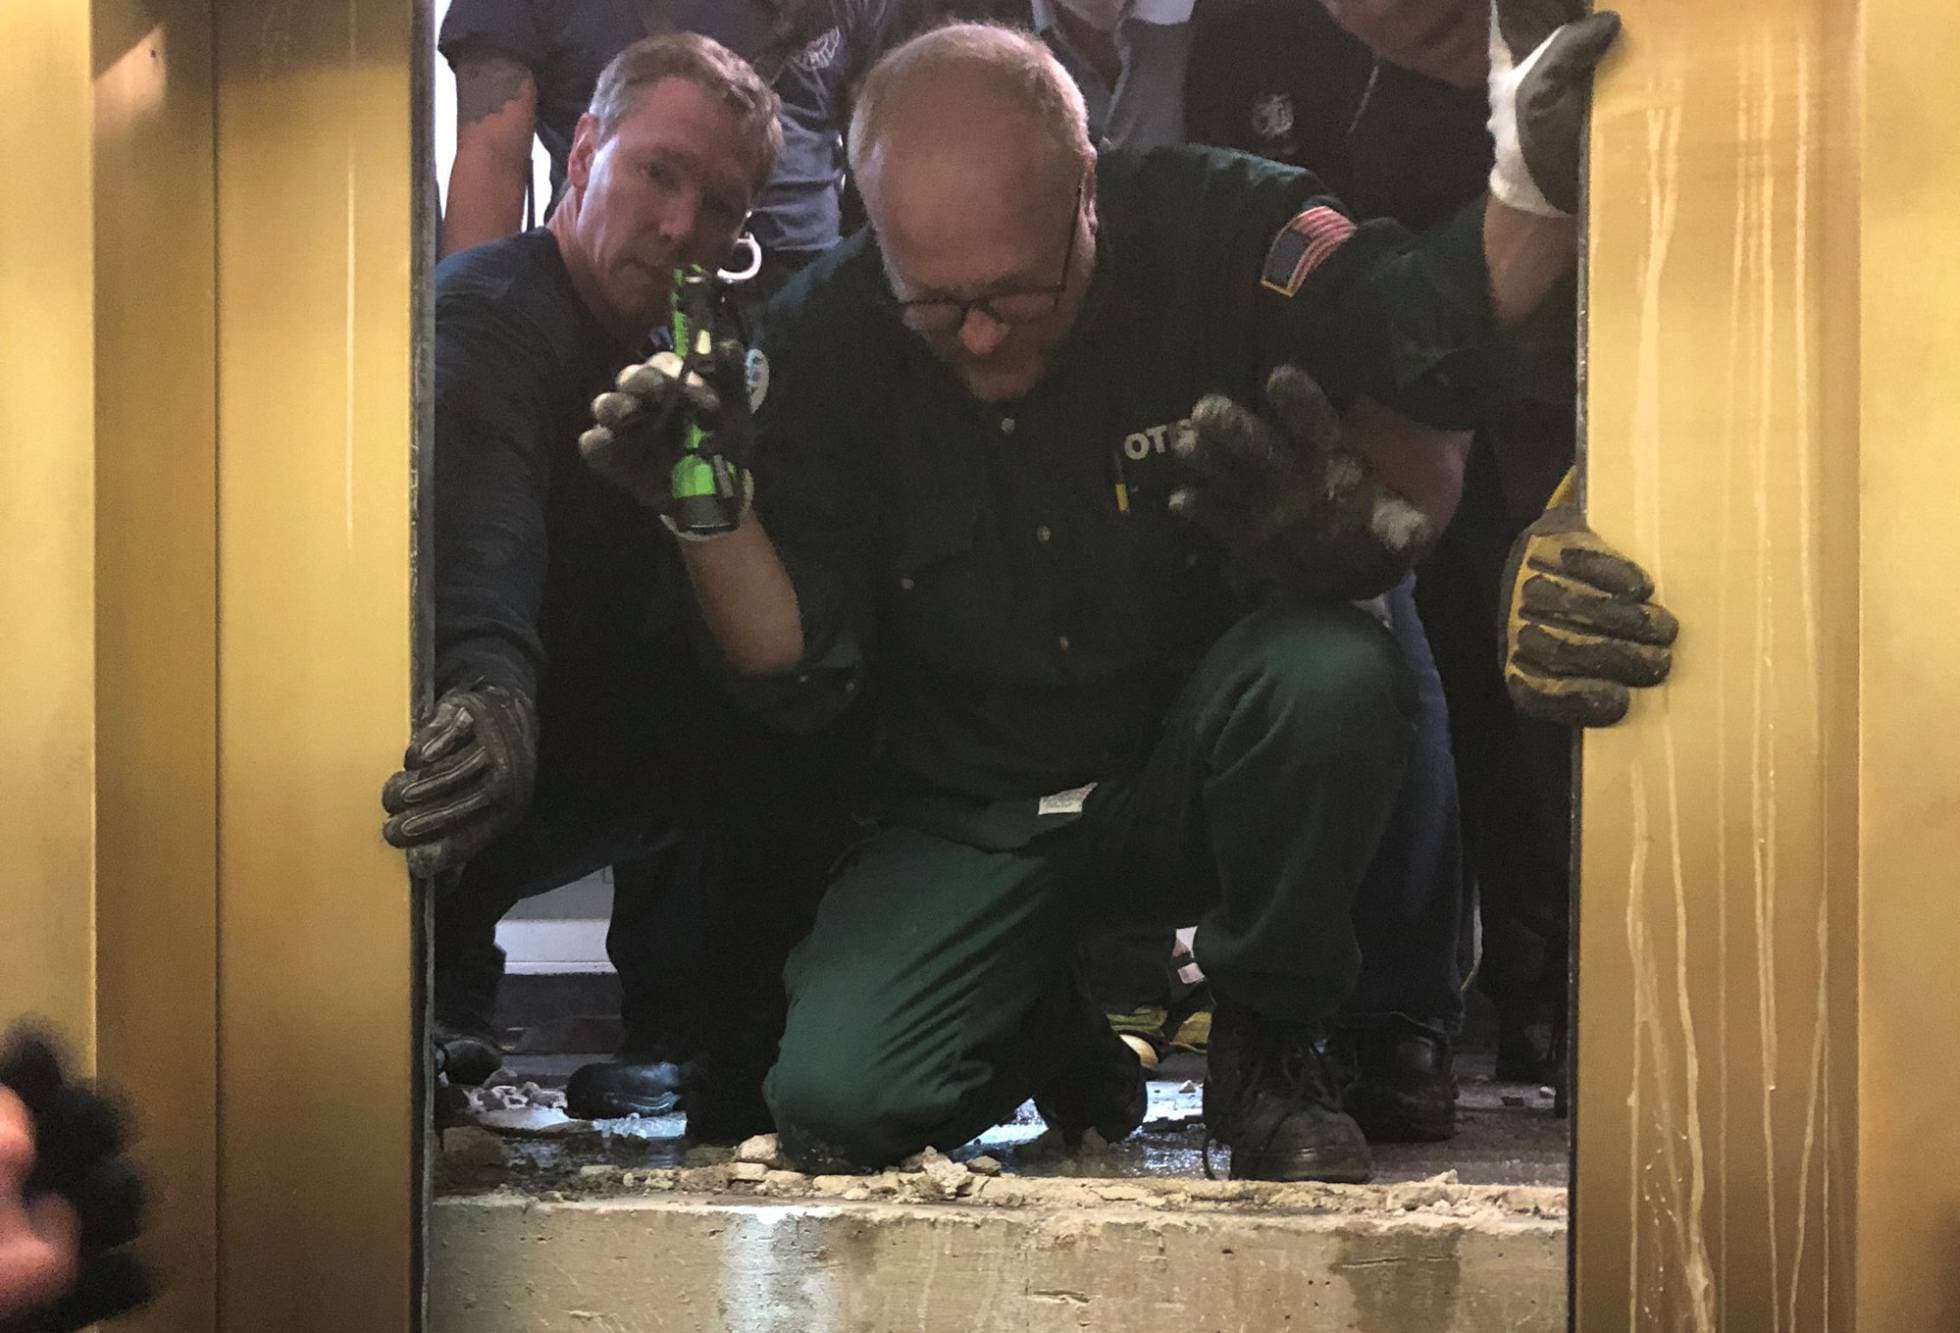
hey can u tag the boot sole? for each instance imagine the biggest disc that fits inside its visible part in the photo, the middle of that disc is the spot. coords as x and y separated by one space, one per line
1349 1170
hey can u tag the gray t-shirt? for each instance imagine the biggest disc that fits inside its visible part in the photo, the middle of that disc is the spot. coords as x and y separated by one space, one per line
1146 107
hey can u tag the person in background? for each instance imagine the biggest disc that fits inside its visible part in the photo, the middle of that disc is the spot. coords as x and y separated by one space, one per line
1386 99
528 67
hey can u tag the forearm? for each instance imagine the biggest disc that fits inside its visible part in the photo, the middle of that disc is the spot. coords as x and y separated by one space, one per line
1526 255
1423 463
746 599
486 197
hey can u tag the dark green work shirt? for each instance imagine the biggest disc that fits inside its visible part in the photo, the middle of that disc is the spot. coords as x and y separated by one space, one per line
1023 633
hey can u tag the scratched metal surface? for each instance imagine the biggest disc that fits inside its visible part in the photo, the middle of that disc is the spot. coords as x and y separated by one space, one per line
1718 900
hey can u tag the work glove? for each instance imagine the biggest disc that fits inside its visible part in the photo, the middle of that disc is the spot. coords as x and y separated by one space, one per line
1579 625
466 778
79 1134
1295 509
1542 54
642 428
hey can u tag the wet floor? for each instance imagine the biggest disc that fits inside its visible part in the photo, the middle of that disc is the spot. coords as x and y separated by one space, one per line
1507 1135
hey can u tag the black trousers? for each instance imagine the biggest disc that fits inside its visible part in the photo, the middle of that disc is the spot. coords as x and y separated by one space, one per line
714 880
1514 773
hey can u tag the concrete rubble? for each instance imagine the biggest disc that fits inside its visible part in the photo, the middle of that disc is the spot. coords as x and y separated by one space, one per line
756 1169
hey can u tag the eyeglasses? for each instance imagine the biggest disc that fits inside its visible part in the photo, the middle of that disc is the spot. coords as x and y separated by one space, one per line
937 315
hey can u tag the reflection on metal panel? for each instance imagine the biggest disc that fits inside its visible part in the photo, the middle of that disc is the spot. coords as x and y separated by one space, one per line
1718 916
315 362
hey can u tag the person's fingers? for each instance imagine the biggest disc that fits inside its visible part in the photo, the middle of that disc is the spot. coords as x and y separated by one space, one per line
656 382
1574 702
424 786
442 735
1578 47
1553 650
1526 23
111 1284
1308 419
110 1200
31 1068
1230 449
39 1251
615 411
1556 599
16 1143
76 1128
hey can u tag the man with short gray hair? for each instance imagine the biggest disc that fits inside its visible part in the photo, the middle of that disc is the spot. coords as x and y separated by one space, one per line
1114 655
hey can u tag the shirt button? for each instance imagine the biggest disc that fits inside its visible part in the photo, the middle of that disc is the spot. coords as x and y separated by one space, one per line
1062 643
905 583
1042 534
1007 425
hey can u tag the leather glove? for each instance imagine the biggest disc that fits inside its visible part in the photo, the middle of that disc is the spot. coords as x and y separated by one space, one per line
466 778
79 1134
639 441
1294 508
1579 625
1542 54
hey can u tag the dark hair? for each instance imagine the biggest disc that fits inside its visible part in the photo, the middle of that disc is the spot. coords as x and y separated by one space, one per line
708 65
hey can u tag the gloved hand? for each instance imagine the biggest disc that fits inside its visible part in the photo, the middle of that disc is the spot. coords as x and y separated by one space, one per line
1294 507
1579 627
643 423
80 1186
1542 54
466 778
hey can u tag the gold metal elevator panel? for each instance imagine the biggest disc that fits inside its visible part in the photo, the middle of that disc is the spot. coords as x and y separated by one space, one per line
207 341
315 235
206 359
1765 1125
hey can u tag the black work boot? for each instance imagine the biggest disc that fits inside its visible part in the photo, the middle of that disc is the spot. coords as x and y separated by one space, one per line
1530 1042
1401 1088
1270 1097
1104 1092
614 1089
465 1050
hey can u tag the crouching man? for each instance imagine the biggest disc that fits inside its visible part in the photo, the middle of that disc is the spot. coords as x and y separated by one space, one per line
575 726
1119 673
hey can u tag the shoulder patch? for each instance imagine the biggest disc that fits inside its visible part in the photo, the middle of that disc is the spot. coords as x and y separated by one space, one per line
1302 246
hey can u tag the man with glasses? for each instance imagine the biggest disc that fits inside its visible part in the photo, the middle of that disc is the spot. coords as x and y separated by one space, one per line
1109 687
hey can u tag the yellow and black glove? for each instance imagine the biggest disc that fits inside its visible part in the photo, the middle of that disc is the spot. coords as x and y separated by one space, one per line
1580 627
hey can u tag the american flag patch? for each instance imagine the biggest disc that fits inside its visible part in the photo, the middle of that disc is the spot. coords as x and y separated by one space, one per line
1301 247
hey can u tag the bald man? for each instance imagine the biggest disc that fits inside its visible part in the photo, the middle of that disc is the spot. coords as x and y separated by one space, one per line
1108 688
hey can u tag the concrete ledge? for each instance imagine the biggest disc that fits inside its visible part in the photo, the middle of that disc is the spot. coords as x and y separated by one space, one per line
1031 1256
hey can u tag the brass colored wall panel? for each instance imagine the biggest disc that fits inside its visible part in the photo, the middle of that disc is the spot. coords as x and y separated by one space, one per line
156 618
47 533
1718 892
317 1186
1909 474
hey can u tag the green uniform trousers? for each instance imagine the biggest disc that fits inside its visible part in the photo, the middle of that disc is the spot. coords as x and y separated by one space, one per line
935 993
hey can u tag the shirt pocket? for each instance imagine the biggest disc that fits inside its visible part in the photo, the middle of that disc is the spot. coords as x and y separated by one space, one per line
942 598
